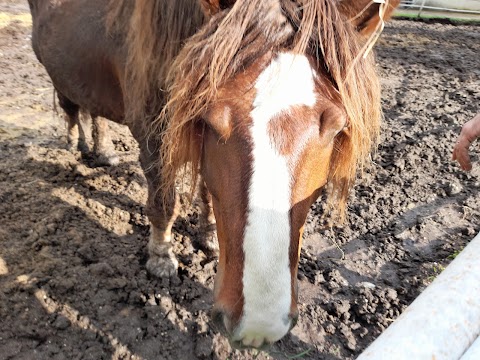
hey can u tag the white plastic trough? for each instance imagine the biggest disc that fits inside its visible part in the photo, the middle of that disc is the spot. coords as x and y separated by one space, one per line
443 323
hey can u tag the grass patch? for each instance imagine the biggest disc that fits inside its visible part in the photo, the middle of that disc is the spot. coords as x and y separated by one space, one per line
455 254
437 270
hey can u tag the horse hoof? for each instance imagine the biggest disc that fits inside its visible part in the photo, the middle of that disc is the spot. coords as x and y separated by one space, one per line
164 266
107 160
72 147
209 243
83 147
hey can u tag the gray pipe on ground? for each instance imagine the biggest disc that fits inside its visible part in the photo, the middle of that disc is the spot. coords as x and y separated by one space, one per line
443 322
473 353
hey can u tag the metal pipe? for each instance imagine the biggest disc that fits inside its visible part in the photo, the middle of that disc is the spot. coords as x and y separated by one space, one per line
473 353
444 320
421 7
441 9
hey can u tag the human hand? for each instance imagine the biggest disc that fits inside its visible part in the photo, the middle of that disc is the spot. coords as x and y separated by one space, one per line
470 132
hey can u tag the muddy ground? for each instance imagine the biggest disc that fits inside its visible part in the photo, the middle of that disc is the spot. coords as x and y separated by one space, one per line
73 283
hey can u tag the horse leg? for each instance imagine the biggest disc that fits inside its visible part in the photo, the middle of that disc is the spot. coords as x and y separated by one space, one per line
208 239
103 146
162 261
162 214
73 132
71 117
85 132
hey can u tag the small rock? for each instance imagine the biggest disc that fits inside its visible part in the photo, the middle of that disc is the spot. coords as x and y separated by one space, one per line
118 283
355 326
341 308
330 329
61 323
3 267
366 285
363 332
336 277
391 294
352 344
453 188
101 268
333 287
319 278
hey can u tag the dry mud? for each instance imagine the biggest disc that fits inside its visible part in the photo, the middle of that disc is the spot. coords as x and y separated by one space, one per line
73 283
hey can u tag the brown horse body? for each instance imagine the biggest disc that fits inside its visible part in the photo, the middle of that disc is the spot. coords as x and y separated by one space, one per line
87 62
268 100
85 65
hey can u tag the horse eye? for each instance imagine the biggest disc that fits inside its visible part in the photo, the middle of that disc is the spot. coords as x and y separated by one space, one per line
219 121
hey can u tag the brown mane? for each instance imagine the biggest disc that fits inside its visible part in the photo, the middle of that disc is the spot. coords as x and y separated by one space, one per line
156 32
228 43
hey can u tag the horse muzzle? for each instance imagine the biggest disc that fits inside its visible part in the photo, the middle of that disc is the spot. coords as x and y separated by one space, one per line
261 337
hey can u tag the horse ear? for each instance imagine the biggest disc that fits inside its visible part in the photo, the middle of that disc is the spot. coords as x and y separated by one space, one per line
211 7
365 14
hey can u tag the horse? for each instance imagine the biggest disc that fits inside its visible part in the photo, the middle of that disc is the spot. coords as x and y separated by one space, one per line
363 16
269 103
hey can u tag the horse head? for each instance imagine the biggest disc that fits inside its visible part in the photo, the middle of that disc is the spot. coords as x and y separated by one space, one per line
273 102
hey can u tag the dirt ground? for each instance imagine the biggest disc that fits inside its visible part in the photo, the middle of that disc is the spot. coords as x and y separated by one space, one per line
73 283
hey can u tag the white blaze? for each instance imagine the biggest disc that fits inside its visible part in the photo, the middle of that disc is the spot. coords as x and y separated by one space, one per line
288 81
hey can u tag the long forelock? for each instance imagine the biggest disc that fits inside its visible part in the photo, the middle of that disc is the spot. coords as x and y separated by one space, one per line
232 40
236 37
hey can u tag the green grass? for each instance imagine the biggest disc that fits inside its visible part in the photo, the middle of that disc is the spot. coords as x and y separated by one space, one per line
437 270
454 254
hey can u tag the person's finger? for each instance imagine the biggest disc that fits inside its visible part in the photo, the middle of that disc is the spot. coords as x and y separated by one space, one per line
460 151
463 158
